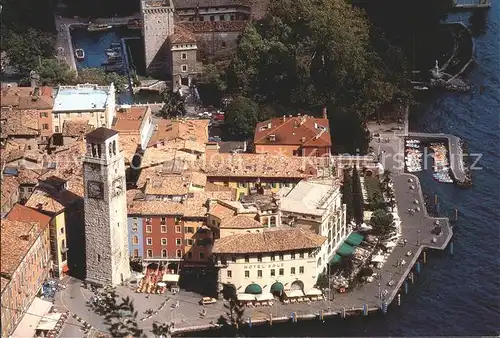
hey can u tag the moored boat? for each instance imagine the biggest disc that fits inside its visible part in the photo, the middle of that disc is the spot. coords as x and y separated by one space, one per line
79 54
98 27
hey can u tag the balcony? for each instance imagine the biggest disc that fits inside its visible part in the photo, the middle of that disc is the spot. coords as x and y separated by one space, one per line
220 264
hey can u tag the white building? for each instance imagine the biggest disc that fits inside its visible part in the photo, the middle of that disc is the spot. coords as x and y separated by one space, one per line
84 102
270 261
316 205
105 203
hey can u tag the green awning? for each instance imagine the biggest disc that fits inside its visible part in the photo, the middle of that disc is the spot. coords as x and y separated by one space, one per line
277 287
253 289
335 259
354 239
345 250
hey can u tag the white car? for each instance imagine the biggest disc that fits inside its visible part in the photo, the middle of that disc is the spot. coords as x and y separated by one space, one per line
208 300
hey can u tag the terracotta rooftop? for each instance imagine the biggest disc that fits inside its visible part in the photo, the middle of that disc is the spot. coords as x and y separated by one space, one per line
260 165
276 240
241 222
298 130
19 123
9 186
192 130
128 145
214 26
48 199
170 155
27 176
17 239
222 211
167 185
182 35
27 97
5 282
216 187
129 120
72 128
193 4
24 214
155 208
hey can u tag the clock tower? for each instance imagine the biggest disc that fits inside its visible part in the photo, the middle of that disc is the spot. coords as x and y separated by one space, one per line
106 232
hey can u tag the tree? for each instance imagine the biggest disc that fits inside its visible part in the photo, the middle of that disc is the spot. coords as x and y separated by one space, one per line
212 85
100 77
119 316
323 282
347 197
173 104
376 201
382 222
357 196
54 72
240 119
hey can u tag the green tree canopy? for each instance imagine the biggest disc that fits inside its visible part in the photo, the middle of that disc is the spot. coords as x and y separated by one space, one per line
100 77
312 53
382 222
173 104
54 72
357 197
240 119
347 196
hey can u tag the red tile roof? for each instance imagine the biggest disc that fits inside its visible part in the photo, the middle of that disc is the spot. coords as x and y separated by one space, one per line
298 130
24 214
214 26
182 35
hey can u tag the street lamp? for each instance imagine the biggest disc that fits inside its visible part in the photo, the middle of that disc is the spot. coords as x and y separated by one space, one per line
379 296
418 237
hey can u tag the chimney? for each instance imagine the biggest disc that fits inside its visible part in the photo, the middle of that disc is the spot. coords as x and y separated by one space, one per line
325 113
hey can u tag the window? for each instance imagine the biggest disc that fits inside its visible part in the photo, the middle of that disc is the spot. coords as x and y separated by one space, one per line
222 17
301 269
178 229
57 129
149 229
178 242
61 230
135 228
259 273
247 273
231 17
135 240
259 258
178 253
135 254
164 253
292 270
98 257
149 241
202 255
45 126
202 18
281 257
233 259
163 229
301 255
163 241
149 253
229 274
184 56
163 220
148 220
247 259
292 256
273 258
184 68
189 242
273 272
282 271
43 115
212 18
189 230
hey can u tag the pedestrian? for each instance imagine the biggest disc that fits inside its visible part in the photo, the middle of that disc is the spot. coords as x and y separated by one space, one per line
404 242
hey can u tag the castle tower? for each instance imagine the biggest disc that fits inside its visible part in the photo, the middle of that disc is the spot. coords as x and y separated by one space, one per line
106 233
157 26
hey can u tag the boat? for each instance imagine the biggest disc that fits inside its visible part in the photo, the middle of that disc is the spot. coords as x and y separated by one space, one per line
421 88
134 24
110 53
98 27
79 54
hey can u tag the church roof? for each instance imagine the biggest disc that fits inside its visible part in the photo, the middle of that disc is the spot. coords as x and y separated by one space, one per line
101 134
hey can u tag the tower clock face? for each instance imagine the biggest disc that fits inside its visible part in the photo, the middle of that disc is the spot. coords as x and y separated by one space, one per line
95 190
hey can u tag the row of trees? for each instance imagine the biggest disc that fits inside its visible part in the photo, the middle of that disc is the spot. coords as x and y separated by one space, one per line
352 196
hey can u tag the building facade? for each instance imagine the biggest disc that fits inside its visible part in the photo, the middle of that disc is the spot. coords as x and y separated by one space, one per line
316 205
106 233
268 262
25 264
84 102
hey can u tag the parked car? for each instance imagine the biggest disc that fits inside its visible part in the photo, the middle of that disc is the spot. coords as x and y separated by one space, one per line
208 300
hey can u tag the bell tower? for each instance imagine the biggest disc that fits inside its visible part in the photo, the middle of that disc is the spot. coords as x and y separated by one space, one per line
106 234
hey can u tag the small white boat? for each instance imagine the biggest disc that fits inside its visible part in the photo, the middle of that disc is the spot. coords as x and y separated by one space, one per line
79 54
421 88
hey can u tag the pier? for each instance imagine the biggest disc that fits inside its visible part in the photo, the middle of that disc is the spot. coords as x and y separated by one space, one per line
454 147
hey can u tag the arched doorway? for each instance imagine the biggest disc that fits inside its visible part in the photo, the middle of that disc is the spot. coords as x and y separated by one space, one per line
297 285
